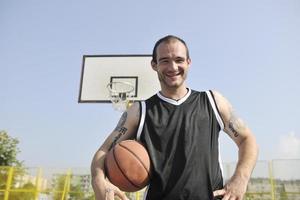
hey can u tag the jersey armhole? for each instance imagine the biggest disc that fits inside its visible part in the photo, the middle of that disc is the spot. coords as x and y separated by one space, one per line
215 108
142 119
221 124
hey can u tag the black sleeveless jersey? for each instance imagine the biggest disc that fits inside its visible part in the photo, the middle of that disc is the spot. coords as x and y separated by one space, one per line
182 140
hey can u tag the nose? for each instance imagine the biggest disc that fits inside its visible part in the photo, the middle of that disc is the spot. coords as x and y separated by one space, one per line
173 66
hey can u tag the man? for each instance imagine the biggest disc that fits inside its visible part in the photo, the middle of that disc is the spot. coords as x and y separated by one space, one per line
180 128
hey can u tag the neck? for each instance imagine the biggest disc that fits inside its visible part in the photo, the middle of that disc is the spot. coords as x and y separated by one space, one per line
174 93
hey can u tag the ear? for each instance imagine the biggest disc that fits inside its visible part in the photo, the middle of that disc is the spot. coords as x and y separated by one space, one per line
154 65
189 61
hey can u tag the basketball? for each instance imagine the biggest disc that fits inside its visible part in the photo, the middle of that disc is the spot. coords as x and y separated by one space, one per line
128 166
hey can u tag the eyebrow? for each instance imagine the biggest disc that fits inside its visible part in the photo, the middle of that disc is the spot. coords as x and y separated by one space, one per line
163 58
176 58
179 57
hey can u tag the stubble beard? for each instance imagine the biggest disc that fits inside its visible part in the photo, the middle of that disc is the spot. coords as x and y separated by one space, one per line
164 83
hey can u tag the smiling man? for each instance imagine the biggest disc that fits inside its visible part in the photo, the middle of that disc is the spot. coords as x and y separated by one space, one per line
180 128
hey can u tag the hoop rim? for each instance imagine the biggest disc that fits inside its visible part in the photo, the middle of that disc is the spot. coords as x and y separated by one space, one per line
110 89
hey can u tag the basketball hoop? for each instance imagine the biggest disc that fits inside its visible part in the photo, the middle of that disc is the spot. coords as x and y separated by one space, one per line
119 92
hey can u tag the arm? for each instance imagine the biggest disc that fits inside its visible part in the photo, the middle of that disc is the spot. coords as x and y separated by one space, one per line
248 150
125 129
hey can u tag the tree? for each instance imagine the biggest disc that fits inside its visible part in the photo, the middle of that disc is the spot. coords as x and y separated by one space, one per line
283 194
24 195
60 186
74 191
9 150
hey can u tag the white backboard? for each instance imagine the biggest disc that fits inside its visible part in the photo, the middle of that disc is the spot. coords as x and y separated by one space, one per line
100 70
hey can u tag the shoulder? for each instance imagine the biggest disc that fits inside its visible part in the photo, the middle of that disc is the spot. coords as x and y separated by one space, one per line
131 116
134 110
195 91
198 92
218 96
151 98
224 106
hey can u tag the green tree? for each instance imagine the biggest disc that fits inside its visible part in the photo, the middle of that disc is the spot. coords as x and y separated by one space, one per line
75 190
78 193
59 186
24 195
8 158
283 194
9 150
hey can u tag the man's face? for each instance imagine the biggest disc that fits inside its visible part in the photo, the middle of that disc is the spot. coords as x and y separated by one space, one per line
172 64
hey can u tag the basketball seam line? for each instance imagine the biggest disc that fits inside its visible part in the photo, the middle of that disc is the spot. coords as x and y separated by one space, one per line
122 170
136 158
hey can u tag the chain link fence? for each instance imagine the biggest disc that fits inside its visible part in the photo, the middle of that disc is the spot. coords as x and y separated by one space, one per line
271 180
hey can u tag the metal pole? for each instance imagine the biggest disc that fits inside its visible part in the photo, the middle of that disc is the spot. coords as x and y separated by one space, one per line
272 183
66 185
38 183
8 182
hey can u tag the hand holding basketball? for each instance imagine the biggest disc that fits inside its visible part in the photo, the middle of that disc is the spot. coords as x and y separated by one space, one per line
105 190
111 191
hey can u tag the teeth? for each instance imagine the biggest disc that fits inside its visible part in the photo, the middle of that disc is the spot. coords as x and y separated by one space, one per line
173 74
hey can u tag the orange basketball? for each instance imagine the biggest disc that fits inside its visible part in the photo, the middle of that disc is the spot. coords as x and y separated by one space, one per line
128 166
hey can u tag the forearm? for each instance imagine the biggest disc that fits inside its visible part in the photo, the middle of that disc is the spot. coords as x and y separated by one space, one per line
97 165
248 151
238 131
100 183
125 130
98 171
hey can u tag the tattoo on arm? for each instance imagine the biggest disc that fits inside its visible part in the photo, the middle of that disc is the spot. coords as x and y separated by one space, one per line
115 141
231 127
120 128
235 125
121 122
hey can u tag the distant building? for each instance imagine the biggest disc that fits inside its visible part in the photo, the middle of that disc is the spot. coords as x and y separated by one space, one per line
261 189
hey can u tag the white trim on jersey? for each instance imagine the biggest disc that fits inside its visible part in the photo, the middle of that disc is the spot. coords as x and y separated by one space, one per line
175 102
142 120
145 193
139 132
220 121
213 105
221 163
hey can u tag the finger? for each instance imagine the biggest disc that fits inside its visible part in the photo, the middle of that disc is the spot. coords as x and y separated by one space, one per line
121 194
226 197
109 194
219 192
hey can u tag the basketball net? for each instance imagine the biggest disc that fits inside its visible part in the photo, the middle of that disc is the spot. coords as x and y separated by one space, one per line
119 92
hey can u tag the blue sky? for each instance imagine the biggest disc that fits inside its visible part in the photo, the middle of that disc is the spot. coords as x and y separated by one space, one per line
247 50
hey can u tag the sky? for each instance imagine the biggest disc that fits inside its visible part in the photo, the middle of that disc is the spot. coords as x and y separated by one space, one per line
247 50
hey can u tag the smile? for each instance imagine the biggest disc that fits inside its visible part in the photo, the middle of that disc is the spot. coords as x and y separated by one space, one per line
173 74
